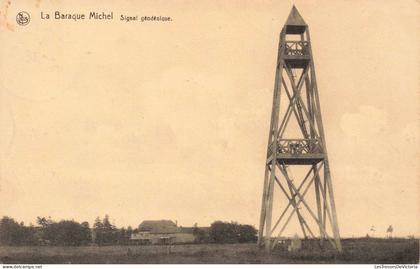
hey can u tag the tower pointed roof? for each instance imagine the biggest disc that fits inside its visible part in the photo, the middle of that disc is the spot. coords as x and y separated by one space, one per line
295 23
295 18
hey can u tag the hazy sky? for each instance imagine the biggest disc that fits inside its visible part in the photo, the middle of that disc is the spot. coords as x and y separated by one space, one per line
170 120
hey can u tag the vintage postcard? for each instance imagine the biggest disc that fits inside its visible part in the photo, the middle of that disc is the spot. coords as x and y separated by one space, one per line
209 132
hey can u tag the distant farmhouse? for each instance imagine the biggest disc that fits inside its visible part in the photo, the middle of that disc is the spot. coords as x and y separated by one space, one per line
163 232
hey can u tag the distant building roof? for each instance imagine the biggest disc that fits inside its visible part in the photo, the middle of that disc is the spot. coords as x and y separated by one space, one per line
159 226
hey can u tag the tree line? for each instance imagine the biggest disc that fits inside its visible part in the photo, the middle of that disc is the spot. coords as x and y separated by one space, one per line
62 233
103 232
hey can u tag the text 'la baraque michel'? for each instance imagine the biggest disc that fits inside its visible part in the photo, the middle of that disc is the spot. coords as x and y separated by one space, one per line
93 15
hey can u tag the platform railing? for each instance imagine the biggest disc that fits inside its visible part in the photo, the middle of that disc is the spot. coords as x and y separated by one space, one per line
296 147
296 48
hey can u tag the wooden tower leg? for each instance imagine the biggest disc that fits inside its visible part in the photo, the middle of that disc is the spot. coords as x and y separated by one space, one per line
334 223
263 207
318 205
269 208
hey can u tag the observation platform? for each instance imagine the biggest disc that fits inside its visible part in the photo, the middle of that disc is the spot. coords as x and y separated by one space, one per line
297 151
296 53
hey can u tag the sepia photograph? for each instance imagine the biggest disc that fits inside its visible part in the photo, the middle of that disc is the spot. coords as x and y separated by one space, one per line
270 132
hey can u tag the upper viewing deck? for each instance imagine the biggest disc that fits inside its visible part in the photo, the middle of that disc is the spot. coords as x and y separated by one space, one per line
296 53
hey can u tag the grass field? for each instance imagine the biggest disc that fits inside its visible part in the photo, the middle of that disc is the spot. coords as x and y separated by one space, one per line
374 251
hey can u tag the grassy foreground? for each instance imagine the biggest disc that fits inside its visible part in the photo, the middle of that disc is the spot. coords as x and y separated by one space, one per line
374 251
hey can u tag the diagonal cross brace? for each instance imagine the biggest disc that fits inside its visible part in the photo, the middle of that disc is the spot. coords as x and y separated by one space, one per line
297 91
281 168
287 115
292 201
300 120
289 204
300 217
291 214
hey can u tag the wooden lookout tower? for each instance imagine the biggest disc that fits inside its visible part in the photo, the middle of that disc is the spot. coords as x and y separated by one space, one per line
296 141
